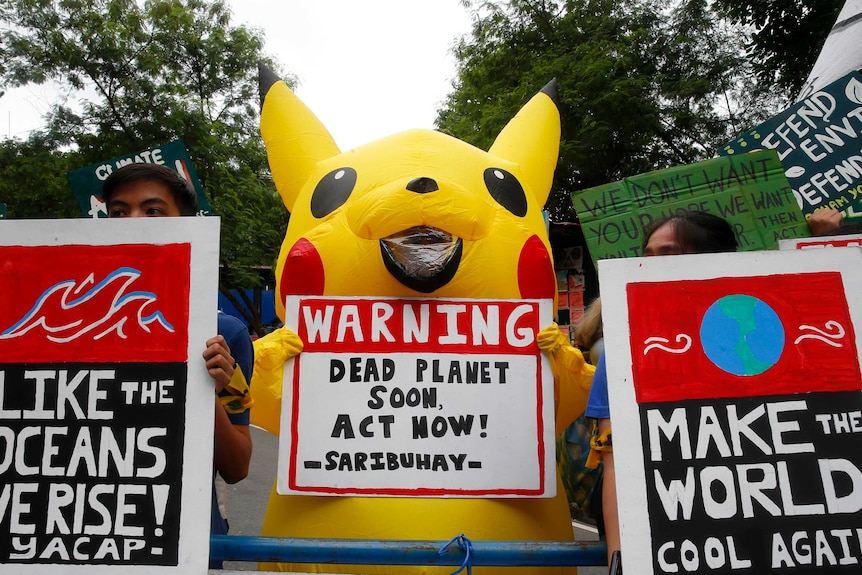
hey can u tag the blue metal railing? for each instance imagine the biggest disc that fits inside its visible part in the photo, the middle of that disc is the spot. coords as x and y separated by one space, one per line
404 552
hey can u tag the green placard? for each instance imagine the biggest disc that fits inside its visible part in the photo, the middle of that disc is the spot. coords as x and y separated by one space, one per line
748 190
86 183
2 211
819 143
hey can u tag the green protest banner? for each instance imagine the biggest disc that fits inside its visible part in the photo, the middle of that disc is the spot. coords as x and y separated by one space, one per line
86 183
748 190
819 143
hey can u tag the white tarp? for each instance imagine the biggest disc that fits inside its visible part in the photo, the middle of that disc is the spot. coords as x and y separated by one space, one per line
841 52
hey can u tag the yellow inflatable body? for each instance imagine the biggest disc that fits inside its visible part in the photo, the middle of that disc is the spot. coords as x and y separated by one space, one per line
415 214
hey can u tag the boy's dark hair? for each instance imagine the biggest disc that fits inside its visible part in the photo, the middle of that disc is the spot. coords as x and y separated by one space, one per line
183 193
697 232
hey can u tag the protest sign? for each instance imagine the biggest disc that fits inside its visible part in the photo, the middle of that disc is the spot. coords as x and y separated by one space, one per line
86 183
846 241
737 414
749 190
106 406
819 143
417 397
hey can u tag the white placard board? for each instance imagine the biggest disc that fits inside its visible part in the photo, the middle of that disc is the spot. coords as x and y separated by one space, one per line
734 386
417 398
845 241
106 406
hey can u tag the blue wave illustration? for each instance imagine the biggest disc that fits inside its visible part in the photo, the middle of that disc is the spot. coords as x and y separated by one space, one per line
54 310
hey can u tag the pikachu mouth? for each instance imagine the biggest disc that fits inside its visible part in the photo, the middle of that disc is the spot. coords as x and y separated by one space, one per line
423 258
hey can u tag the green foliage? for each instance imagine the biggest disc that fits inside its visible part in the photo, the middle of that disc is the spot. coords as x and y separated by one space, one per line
149 72
33 179
786 38
643 85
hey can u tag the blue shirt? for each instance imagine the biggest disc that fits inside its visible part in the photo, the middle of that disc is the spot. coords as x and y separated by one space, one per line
598 406
236 335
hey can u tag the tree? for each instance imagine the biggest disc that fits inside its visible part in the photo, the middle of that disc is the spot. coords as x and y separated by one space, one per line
33 179
643 85
785 40
148 72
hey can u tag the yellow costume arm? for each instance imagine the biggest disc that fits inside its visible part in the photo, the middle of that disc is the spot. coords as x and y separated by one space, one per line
270 354
573 376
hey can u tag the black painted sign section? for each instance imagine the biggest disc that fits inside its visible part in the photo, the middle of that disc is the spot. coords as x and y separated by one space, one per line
755 484
91 463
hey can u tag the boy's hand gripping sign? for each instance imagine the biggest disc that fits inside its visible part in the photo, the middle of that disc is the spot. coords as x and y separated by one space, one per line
417 397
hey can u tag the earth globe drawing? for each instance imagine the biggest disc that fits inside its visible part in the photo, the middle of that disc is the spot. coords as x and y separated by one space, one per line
742 335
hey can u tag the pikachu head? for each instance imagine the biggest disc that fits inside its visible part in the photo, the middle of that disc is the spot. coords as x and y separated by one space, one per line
418 213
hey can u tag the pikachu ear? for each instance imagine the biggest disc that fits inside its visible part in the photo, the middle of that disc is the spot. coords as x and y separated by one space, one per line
532 141
295 139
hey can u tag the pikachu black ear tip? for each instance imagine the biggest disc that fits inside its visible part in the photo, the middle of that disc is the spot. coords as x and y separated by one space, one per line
266 78
550 90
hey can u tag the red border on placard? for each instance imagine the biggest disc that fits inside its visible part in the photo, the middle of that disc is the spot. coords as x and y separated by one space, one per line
836 243
425 492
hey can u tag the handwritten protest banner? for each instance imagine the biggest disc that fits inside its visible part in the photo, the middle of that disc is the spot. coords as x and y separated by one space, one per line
417 397
737 416
845 241
86 183
106 411
819 143
749 191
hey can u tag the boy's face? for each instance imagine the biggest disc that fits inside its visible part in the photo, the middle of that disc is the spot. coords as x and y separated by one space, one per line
142 199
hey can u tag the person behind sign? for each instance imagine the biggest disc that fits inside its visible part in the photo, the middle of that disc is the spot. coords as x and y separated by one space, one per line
688 232
588 332
151 190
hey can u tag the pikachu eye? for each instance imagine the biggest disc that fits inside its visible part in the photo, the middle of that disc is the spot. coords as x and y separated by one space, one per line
332 191
506 190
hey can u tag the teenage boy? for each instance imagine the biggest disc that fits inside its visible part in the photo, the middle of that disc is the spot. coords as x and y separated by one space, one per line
151 190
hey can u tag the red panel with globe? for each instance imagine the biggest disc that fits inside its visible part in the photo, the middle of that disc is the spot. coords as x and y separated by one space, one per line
732 337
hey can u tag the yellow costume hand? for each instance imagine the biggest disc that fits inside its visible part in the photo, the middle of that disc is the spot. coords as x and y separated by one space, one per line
573 376
270 354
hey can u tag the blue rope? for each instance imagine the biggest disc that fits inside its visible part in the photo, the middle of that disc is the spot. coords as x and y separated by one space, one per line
467 546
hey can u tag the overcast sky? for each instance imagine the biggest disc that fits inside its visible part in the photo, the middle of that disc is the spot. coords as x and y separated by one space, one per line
366 68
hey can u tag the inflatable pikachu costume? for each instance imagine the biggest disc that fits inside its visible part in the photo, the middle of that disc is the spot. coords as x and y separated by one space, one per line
416 214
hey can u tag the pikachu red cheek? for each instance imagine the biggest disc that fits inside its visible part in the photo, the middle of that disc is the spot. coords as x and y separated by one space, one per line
303 271
536 278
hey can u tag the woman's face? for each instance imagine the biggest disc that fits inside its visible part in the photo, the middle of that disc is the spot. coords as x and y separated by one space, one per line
663 242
